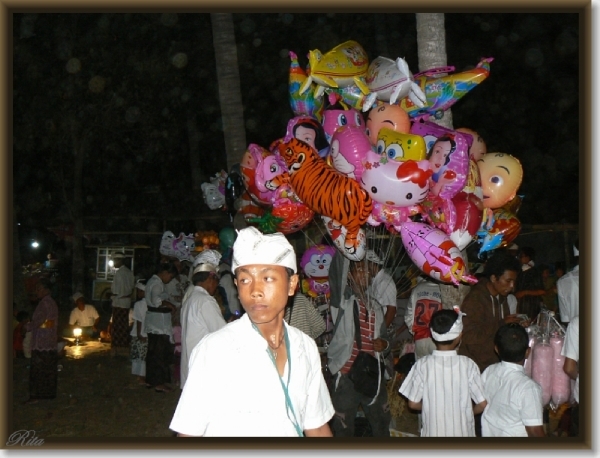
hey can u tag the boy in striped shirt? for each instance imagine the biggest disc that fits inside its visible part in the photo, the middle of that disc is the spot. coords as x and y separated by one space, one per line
444 383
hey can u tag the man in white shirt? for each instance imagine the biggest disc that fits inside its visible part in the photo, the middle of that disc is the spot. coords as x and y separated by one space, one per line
568 295
200 313
121 288
257 376
571 367
84 316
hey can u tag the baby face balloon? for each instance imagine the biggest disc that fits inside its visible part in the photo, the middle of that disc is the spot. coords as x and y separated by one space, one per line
501 176
386 115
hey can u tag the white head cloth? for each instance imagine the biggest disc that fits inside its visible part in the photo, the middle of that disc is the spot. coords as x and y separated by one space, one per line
207 256
76 296
253 247
454 331
140 285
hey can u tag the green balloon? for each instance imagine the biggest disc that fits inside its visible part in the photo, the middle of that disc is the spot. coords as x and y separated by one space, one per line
226 238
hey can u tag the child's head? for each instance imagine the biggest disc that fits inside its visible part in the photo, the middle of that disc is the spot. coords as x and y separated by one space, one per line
511 343
446 328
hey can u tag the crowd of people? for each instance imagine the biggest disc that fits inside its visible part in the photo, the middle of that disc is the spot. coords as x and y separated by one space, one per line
233 332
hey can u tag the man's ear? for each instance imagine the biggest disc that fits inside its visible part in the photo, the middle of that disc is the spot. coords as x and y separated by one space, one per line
496 350
527 352
293 284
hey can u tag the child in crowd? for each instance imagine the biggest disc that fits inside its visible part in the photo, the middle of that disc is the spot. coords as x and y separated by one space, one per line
443 384
139 338
514 399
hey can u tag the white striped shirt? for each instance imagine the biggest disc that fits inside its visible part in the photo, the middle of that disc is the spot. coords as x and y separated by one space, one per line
445 382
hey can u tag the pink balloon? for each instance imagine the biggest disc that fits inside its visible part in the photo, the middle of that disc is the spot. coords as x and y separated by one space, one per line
434 253
541 369
333 119
348 150
448 152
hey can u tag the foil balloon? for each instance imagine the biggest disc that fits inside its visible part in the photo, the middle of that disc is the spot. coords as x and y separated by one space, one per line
469 212
501 176
315 263
180 247
514 205
265 174
227 236
498 229
285 216
388 116
247 207
307 129
213 198
439 213
398 146
478 147
338 234
442 92
350 95
434 253
306 103
390 81
234 188
396 189
342 66
338 115
326 191
448 153
348 150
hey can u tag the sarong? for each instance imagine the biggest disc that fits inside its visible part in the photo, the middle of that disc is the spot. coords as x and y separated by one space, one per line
43 374
119 331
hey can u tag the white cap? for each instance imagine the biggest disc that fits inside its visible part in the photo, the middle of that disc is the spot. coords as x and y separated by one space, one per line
205 267
207 256
253 247
454 331
76 296
140 285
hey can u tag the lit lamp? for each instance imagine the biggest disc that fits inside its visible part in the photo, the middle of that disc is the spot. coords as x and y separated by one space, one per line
77 335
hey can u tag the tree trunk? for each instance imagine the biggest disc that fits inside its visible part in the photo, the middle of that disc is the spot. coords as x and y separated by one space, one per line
431 47
431 44
230 93
80 143
198 175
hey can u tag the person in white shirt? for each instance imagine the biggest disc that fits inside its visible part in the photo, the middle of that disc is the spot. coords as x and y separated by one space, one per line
159 328
257 376
567 287
515 407
139 337
121 288
443 384
200 313
84 316
571 367
382 287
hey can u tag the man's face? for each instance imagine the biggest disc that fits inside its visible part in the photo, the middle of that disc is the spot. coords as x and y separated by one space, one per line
40 291
264 290
80 304
165 276
505 283
211 284
117 262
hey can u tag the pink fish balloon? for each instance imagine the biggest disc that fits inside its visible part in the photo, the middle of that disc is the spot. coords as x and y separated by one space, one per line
434 253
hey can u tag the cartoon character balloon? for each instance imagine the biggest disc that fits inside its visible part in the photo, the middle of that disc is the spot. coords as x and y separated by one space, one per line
501 176
212 196
396 189
349 148
180 247
305 104
448 155
398 146
326 191
309 130
434 253
338 115
388 116
315 264
498 229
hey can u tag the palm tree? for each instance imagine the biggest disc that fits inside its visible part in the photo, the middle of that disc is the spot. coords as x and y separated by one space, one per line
431 47
230 93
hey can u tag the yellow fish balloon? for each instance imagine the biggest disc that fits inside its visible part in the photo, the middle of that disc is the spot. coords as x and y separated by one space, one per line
342 66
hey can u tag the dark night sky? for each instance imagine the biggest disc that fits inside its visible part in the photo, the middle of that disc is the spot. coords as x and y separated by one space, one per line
137 160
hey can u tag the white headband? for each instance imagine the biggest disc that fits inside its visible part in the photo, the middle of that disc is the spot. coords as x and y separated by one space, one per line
454 331
139 285
253 247
205 267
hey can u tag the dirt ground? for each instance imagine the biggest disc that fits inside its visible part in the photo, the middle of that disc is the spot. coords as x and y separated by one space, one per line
98 397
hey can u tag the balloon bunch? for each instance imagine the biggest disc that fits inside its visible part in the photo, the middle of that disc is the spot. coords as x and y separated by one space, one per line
206 240
214 191
435 189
